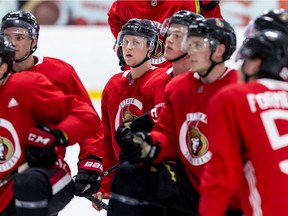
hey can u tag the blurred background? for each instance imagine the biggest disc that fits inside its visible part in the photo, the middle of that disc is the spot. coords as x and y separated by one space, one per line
94 12
76 31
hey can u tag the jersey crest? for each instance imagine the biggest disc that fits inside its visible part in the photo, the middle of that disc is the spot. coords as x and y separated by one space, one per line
10 150
193 143
128 110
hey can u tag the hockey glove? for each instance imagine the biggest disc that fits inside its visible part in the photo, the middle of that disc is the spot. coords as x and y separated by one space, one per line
41 143
138 147
88 179
142 123
121 132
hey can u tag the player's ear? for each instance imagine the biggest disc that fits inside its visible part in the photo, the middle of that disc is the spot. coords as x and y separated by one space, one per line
35 42
219 52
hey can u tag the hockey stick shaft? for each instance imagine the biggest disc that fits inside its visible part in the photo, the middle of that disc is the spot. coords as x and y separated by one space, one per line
111 169
9 177
98 202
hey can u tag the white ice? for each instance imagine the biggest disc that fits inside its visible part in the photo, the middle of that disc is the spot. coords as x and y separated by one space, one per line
80 206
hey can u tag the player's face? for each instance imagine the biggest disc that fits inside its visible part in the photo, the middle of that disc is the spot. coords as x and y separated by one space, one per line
134 48
21 41
198 49
173 42
249 67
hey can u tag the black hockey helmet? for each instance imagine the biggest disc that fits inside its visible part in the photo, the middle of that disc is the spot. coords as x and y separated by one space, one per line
271 47
182 17
216 31
23 19
7 50
275 19
143 28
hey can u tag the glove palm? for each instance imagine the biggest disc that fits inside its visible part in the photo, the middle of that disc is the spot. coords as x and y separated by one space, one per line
138 147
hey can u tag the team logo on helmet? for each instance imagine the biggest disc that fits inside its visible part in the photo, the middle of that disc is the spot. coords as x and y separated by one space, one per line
6 149
284 17
219 23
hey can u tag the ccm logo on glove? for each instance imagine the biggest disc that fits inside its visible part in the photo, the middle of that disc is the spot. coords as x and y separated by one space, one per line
39 138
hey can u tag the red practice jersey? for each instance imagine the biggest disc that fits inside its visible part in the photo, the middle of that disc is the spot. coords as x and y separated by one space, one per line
121 101
182 124
122 11
64 76
27 99
248 126
153 89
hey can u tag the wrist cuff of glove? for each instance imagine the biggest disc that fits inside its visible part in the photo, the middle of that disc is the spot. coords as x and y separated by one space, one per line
63 137
91 163
153 153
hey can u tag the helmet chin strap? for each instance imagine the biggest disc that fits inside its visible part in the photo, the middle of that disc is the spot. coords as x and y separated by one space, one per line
178 58
211 67
142 62
26 56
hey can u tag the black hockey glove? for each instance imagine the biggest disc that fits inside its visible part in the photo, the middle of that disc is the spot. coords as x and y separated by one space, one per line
138 147
121 132
88 179
142 123
41 143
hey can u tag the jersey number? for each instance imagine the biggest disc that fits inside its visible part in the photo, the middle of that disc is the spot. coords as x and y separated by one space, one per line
277 140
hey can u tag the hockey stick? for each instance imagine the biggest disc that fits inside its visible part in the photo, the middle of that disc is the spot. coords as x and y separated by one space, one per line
95 200
10 176
98 202
111 169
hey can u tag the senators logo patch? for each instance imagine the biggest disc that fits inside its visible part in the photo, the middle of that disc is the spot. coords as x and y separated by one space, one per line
193 143
128 110
197 142
6 149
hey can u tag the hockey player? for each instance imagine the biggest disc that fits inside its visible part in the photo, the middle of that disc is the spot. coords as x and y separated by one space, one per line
121 98
174 30
275 19
250 155
157 11
37 123
180 133
23 28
